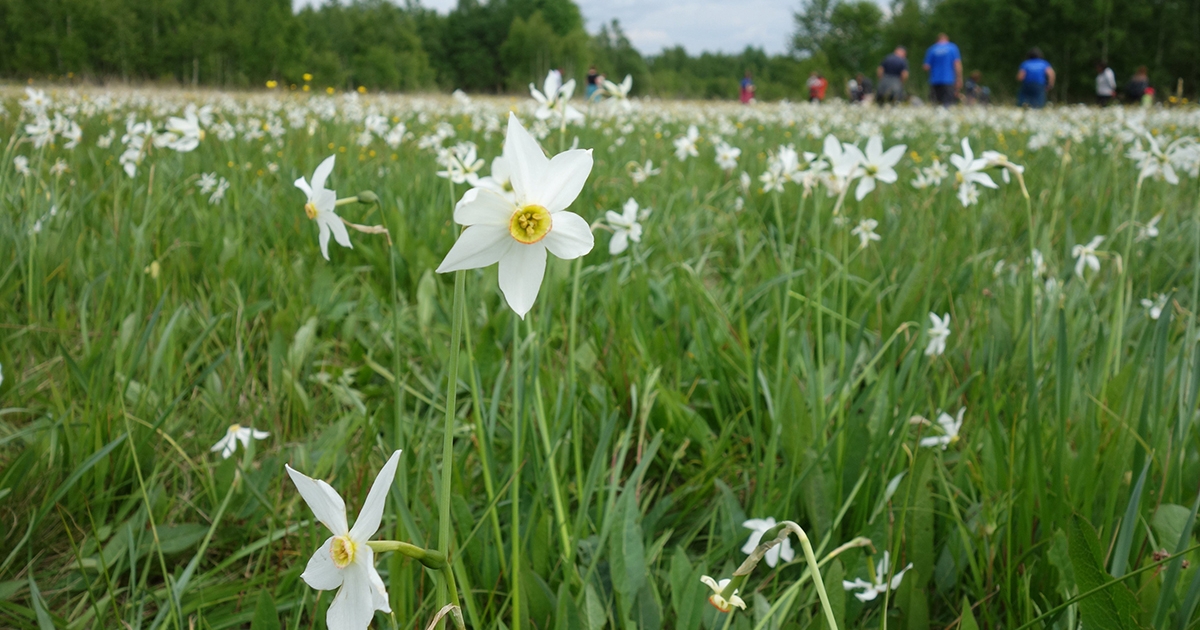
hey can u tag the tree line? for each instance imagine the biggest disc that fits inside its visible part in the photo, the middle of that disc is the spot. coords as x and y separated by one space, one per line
501 45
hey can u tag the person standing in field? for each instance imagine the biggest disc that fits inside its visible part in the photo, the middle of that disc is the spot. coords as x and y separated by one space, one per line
1036 77
1137 86
593 83
1106 84
892 74
747 93
816 87
943 62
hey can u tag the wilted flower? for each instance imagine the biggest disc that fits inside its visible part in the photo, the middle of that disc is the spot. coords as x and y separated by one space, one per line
719 602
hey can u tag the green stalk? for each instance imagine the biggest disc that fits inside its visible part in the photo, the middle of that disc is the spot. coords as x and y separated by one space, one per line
560 512
515 492
1122 288
451 401
572 340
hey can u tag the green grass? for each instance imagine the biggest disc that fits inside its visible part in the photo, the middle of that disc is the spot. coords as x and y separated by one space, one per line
708 375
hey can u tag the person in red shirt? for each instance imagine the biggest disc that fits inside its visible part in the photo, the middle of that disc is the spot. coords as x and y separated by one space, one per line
816 87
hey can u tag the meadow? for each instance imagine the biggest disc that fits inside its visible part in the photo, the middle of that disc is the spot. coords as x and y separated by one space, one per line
964 379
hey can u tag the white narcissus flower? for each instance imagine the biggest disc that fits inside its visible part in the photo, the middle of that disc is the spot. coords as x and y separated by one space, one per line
874 164
865 231
938 333
517 232
321 207
625 226
1150 230
21 164
718 602
620 91
758 527
639 173
685 145
996 159
555 98
950 427
1085 255
346 562
727 156
970 170
870 591
187 131
227 445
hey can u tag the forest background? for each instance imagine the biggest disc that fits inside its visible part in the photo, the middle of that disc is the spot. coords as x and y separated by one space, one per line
500 46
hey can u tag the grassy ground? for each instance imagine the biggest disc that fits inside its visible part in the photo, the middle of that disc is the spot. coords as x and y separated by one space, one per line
735 364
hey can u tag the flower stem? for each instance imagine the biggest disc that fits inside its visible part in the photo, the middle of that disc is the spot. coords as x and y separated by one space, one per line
451 402
515 534
775 536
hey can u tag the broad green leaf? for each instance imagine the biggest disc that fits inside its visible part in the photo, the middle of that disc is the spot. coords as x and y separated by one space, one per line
266 617
968 617
1115 607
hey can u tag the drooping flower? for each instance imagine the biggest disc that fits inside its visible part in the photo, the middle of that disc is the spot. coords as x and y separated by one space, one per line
865 231
869 591
950 427
517 232
321 207
227 445
719 602
938 333
758 527
345 561
996 159
626 226
1085 255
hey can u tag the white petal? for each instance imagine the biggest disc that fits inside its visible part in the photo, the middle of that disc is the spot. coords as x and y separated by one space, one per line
321 573
761 524
521 272
323 238
339 229
324 501
354 606
570 236
303 185
772 556
478 246
618 243
322 173
892 156
753 542
865 186
563 180
222 443
260 435
527 161
325 201
874 149
378 589
368 519
787 554
480 206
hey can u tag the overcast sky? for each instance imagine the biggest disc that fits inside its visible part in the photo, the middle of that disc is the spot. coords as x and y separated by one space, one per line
699 25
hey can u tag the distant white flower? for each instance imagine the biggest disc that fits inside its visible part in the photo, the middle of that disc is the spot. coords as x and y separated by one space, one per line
1085 255
620 91
40 131
1155 163
995 159
639 173
625 226
35 101
869 591
865 231
685 145
773 179
60 167
1038 262
218 193
346 561
517 232
1156 306
21 164
227 445
968 194
950 427
744 182
322 207
186 130
938 332
555 98
727 156
758 527
1150 230
718 602
207 182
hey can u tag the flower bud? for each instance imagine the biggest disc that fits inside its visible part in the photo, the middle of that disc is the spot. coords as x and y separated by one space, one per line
367 196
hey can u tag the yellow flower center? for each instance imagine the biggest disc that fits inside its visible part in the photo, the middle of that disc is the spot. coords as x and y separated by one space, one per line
342 550
234 428
201 134
311 210
872 169
958 177
530 224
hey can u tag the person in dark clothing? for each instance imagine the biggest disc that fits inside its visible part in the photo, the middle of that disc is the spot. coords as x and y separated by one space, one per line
892 73
975 92
593 82
1137 86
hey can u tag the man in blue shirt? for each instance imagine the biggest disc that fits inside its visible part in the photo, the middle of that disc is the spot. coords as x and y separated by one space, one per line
1037 78
944 65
